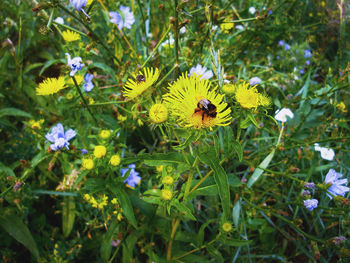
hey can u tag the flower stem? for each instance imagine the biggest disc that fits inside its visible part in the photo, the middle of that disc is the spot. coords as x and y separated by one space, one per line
83 99
177 51
173 231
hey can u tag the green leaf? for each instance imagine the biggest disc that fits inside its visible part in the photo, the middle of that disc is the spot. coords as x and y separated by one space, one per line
106 245
236 212
192 138
14 112
221 180
68 215
258 171
162 159
236 242
200 235
184 210
253 120
122 196
239 150
49 63
204 191
19 231
7 170
245 123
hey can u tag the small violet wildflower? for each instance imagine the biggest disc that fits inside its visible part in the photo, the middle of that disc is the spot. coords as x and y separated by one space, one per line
307 53
281 115
74 63
281 43
309 185
124 18
183 30
88 85
326 153
286 46
84 151
269 12
201 71
59 138
302 71
59 20
311 204
133 178
239 27
254 81
337 186
78 5
307 62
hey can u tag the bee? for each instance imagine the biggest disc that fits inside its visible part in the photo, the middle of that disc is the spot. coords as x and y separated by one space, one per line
140 78
205 107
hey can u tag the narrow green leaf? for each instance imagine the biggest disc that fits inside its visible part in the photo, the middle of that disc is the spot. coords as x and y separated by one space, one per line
106 245
184 210
49 63
236 212
192 138
200 235
253 120
19 231
122 196
221 180
14 112
258 172
68 215
239 150
6 170
204 191
236 242
162 158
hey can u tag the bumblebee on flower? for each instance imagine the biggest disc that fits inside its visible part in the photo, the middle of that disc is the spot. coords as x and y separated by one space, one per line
194 103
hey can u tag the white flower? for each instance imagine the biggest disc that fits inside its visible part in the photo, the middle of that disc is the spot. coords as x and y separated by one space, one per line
311 204
183 30
252 10
201 71
168 43
337 187
326 153
239 27
281 115
59 20
254 81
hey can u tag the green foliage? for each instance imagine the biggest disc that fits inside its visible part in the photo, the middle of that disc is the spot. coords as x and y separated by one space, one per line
149 191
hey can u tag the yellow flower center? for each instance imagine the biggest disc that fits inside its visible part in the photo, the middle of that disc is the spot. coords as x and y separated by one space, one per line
167 194
227 227
105 134
158 113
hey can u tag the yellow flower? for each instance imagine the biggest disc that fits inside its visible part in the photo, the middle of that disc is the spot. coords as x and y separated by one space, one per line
89 2
121 118
167 194
91 101
114 201
119 216
69 96
225 27
144 80
115 160
50 86
249 97
159 168
168 180
105 134
139 122
341 106
88 164
158 113
70 36
100 151
78 78
36 124
194 103
87 197
228 89
227 227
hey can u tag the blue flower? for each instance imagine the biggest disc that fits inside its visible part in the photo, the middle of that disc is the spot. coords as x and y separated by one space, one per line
302 71
124 18
281 43
286 46
88 85
74 63
337 186
307 62
311 204
84 151
307 53
59 138
254 81
134 178
310 185
269 12
78 5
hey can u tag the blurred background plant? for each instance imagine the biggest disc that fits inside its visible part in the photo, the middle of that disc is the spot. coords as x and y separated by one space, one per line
133 185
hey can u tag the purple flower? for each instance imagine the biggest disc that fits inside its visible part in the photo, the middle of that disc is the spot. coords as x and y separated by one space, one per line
309 185
307 53
254 81
74 63
302 71
78 5
307 62
123 18
305 193
133 178
281 43
286 46
201 71
311 204
270 12
84 151
337 186
88 85
59 138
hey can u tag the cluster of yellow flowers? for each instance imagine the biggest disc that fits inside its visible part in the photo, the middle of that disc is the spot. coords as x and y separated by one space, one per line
99 204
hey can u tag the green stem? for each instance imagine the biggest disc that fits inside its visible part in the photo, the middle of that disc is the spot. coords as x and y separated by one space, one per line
83 99
165 77
240 20
70 28
177 51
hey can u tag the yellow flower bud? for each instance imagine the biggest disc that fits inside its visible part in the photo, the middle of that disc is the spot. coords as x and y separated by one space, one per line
168 180
88 164
115 160
100 151
158 113
105 134
227 227
167 194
